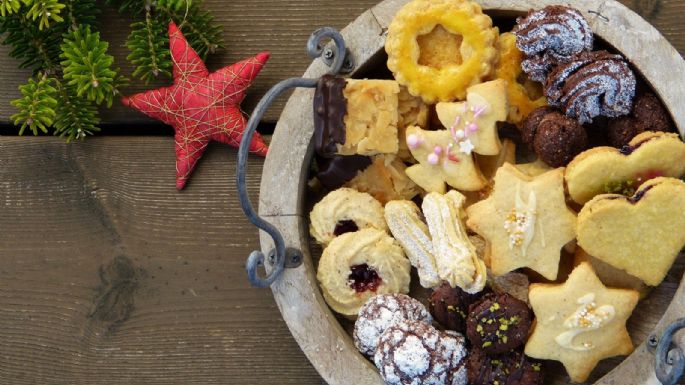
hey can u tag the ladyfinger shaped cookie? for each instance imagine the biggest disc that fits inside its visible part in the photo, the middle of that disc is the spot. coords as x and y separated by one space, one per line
362 116
441 250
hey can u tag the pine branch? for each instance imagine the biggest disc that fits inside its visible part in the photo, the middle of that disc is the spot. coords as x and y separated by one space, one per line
38 49
37 105
87 66
8 7
197 26
45 11
133 7
75 117
80 12
149 48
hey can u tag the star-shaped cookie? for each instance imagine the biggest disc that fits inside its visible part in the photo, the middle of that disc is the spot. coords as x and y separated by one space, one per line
525 220
442 160
477 117
580 322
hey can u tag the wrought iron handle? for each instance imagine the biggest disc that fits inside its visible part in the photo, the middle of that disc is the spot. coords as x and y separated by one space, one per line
669 364
336 57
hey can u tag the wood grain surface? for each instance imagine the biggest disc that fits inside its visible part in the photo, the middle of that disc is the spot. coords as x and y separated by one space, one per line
108 275
281 27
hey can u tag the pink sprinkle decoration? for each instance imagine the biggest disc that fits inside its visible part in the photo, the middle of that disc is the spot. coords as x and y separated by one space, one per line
472 128
413 141
453 158
433 159
437 150
478 111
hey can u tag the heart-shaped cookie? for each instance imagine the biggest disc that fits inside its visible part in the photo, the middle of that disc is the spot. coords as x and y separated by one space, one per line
603 170
642 234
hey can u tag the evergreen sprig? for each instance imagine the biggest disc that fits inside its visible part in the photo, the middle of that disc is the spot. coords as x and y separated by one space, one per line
87 66
45 11
75 117
37 105
149 53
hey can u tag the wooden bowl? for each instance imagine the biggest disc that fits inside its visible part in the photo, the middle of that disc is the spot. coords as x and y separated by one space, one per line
320 335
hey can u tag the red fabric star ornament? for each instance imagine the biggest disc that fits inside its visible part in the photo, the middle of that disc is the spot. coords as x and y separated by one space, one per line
201 106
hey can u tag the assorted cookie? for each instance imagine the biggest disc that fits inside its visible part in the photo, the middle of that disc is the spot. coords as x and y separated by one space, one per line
483 171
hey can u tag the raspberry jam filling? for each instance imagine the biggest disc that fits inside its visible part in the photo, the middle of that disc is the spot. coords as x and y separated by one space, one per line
346 226
363 278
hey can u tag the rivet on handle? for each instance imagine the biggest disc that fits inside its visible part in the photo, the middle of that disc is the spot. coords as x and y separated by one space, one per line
338 58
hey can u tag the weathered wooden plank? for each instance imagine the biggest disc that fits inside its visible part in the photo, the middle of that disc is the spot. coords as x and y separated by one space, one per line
108 275
281 27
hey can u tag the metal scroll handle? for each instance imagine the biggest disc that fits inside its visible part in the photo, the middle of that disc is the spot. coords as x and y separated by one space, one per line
281 257
669 363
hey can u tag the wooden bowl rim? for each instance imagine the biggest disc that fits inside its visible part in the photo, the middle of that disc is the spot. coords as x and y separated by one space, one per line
328 347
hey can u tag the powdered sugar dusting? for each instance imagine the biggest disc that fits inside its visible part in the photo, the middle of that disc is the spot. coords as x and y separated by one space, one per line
592 84
551 36
380 313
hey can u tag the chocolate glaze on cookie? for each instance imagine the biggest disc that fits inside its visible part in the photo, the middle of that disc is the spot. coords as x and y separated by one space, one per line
512 368
592 84
554 137
336 171
498 323
330 109
450 306
648 115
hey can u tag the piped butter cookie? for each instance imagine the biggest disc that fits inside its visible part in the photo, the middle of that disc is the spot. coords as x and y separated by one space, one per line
342 211
604 170
580 322
642 234
356 266
525 220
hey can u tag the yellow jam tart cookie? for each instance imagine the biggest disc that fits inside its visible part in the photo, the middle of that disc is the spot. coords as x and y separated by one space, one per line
474 122
356 266
442 160
385 179
439 48
580 322
525 220
641 234
604 170
524 95
345 210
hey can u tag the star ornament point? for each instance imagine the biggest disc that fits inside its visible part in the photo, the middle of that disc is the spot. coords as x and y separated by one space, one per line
201 106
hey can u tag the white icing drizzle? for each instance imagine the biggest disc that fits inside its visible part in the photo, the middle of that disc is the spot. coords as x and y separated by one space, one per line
586 318
520 222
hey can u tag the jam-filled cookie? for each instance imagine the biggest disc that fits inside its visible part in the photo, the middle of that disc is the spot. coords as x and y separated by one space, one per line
342 211
356 266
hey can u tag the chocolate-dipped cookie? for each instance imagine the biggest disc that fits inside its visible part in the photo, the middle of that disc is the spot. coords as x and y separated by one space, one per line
592 84
512 368
334 172
498 323
450 306
554 137
648 115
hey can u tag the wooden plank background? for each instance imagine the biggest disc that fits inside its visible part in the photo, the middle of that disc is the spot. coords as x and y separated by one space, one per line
110 276
281 27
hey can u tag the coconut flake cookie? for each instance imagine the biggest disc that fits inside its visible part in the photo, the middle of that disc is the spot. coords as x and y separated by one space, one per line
580 322
525 220
642 234
356 266
649 155
380 313
385 179
439 48
342 211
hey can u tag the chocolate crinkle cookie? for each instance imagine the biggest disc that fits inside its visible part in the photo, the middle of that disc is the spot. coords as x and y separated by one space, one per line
449 306
550 36
648 115
498 323
415 353
381 312
512 368
592 84
554 137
